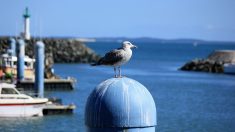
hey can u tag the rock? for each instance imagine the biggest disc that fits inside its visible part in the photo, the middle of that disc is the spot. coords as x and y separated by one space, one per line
62 50
205 66
225 56
213 63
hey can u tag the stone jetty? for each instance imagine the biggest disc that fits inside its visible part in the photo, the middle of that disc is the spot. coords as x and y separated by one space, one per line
214 63
57 50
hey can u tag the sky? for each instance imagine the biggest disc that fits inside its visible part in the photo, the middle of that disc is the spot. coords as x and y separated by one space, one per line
167 19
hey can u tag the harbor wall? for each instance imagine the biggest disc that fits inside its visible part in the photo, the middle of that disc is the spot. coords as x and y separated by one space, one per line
57 50
61 50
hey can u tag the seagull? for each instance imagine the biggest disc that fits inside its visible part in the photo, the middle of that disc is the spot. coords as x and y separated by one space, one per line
117 57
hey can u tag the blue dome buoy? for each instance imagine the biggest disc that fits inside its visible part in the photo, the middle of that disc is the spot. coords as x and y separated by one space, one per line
119 104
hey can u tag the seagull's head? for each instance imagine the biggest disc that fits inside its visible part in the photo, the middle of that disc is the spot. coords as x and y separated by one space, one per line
127 44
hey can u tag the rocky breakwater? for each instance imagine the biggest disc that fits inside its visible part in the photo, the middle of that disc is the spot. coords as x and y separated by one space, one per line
214 63
57 50
65 50
4 44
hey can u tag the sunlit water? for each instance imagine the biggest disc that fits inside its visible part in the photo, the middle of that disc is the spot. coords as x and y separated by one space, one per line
186 101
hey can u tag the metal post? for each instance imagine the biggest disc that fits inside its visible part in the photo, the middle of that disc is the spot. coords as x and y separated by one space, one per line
13 46
20 59
39 71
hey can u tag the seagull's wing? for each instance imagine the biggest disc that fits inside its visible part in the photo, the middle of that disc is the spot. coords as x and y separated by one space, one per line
111 57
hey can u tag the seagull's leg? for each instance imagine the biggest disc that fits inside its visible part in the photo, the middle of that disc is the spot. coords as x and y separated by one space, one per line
115 72
119 71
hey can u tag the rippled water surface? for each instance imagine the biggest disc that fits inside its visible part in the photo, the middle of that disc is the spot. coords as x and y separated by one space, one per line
186 101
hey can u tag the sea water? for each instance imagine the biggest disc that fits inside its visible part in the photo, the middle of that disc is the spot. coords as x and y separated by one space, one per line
186 101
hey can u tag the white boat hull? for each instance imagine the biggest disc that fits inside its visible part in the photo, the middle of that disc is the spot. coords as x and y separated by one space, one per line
21 110
15 104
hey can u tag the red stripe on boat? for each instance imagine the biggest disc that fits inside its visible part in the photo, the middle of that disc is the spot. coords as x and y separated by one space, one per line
22 104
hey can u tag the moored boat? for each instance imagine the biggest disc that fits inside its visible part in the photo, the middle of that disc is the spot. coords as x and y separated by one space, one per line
8 66
15 104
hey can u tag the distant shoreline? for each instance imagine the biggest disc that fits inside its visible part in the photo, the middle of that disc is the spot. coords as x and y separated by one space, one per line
137 39
157 40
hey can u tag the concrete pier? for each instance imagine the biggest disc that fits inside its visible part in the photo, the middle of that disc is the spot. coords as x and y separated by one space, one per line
55 109
49 84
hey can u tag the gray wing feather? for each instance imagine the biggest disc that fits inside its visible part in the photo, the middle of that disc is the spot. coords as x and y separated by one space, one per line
111 57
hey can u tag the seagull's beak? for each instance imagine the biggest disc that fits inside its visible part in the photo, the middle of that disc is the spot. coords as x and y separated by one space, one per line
133 46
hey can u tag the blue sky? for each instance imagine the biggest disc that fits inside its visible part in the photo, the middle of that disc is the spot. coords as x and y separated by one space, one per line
169 19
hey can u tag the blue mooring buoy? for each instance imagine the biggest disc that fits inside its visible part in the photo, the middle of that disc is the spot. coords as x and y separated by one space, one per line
39 68
119 105
20 59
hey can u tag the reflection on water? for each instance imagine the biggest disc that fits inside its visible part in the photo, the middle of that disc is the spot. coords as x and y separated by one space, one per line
20 123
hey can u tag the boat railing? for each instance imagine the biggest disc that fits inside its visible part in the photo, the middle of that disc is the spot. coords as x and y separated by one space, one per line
29 93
